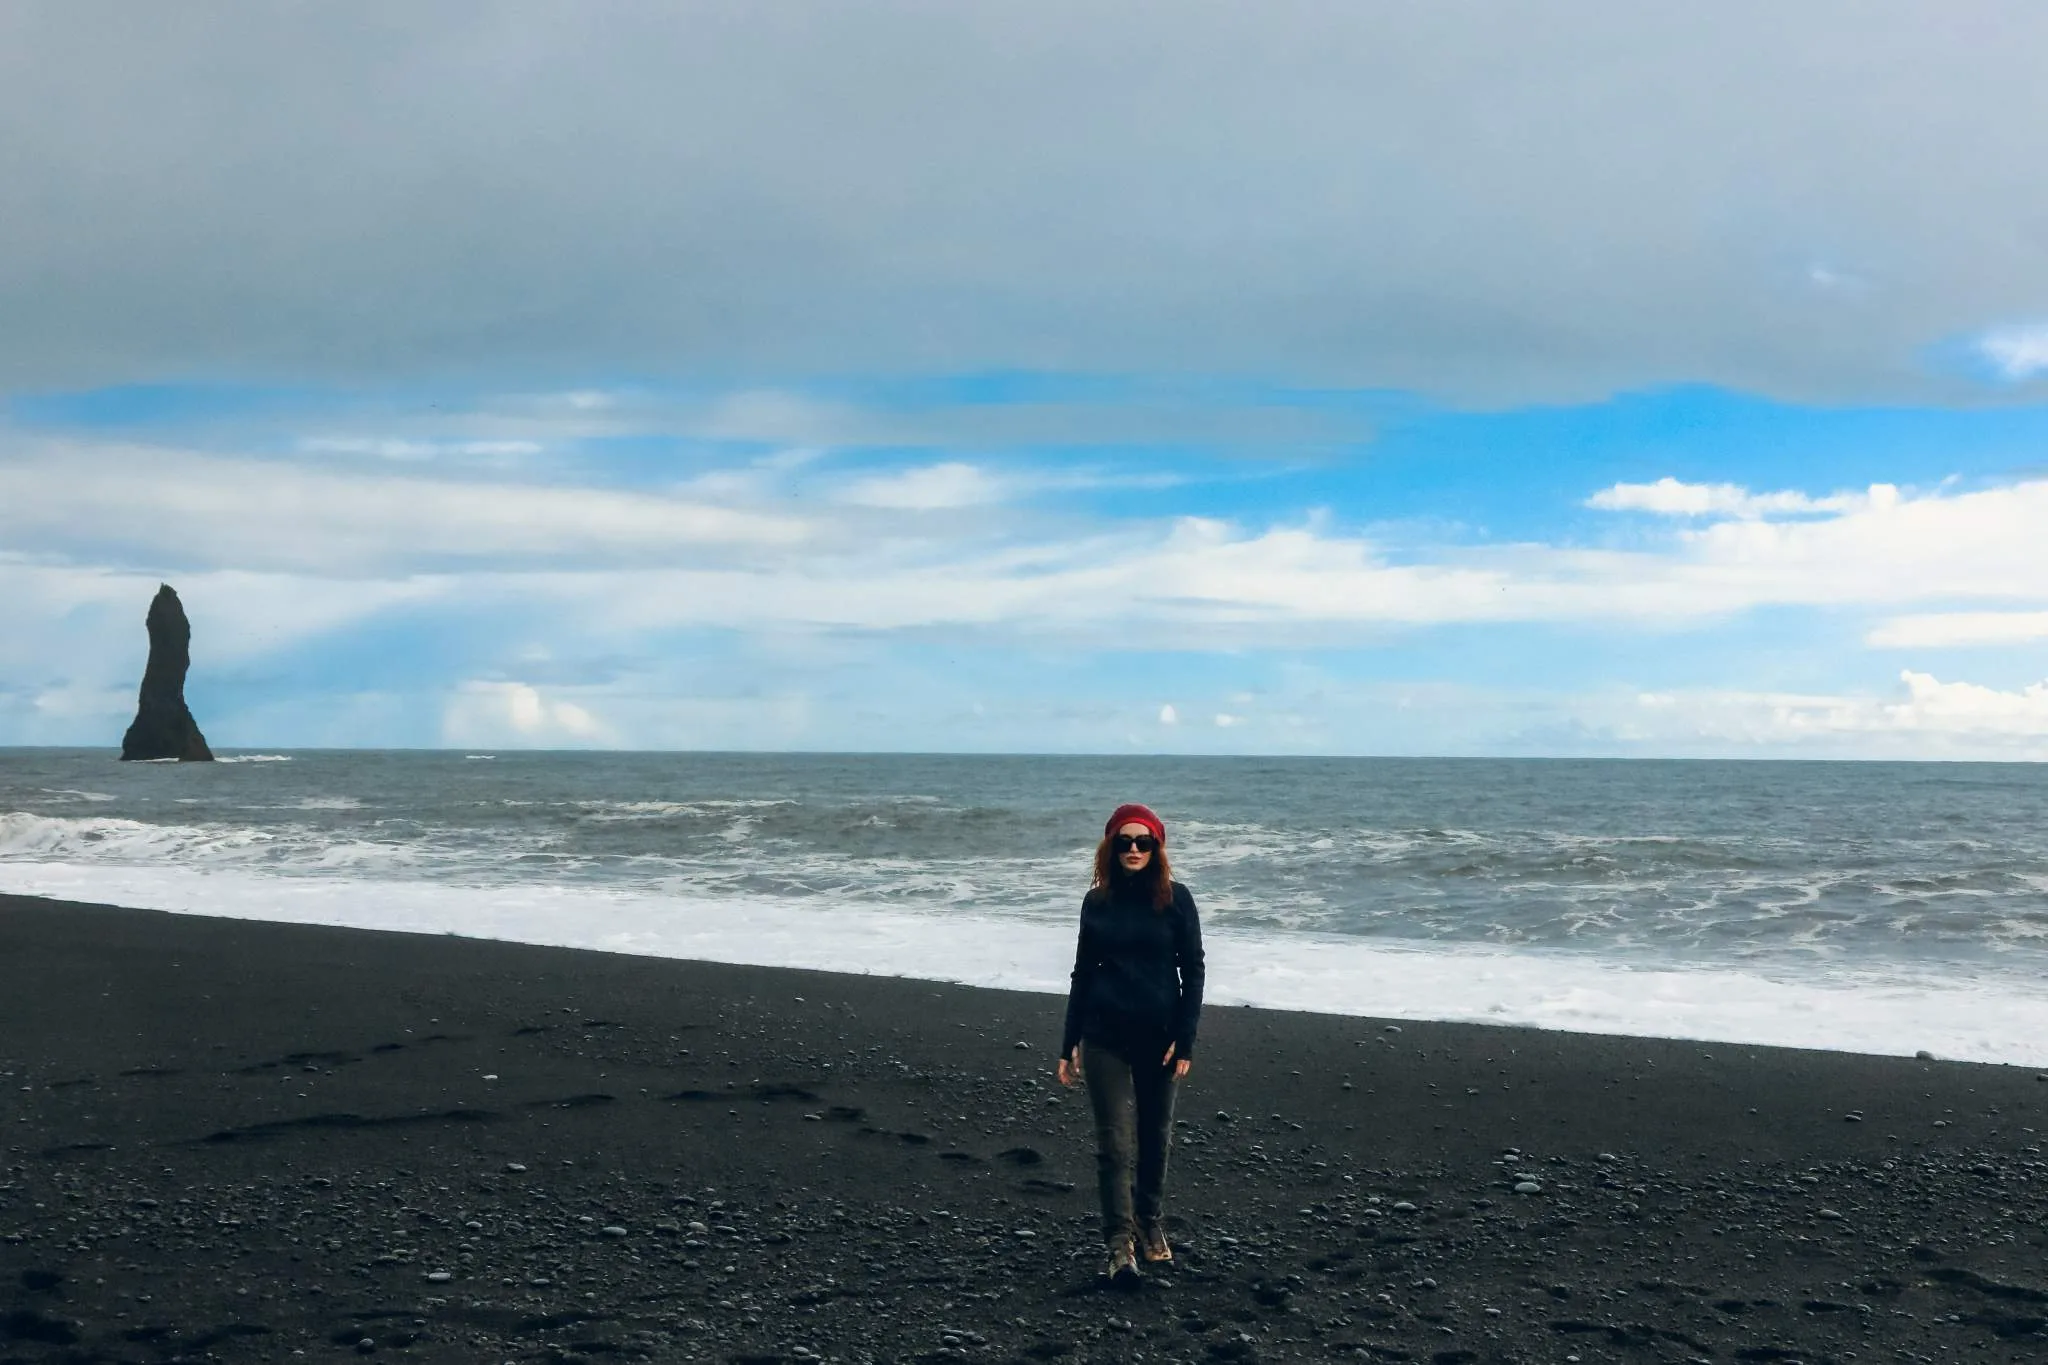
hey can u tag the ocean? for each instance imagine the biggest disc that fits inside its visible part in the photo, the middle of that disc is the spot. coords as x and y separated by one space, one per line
1868 907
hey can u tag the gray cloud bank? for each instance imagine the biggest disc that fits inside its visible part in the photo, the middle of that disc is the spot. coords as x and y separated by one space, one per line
1482 202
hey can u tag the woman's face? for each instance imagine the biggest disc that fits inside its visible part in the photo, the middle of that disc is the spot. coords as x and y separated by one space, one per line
1134 845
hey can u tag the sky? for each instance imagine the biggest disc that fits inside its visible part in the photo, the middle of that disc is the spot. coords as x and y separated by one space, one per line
1468 378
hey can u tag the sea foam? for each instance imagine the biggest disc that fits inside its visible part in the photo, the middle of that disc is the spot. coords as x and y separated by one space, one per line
1987 1020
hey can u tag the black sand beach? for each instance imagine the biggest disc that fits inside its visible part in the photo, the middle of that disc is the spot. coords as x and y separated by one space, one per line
237 1141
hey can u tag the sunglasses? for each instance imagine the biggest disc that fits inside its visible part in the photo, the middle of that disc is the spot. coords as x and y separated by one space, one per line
1144 843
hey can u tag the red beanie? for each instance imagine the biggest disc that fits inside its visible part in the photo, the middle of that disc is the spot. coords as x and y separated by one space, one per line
1135 814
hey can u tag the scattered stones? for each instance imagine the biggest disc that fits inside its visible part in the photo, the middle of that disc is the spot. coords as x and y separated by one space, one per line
826 1242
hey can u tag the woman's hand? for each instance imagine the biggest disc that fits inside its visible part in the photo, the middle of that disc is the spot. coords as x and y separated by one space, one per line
1180 1068
1070 1067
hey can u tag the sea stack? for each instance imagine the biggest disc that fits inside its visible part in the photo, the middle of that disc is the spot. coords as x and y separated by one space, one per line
163 726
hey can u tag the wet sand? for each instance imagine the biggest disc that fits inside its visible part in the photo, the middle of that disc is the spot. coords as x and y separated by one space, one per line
234 1141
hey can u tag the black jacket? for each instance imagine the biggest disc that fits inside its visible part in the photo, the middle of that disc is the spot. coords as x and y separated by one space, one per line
1138 976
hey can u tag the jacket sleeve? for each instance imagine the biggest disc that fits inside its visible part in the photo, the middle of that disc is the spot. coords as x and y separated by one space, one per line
1193 971
1077 992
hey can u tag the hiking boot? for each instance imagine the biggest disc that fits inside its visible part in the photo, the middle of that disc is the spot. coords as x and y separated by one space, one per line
1122 1266
1152 1244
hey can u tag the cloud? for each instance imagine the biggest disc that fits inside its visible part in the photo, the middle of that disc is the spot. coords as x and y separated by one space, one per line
1967 708
1959 629
732 550
397 449
48 612
590 658
777 417
1931 718
493 714
956 484
178 507
1145 585
1407 196
1671 498
928 488
1827 277
2016 353
1098 414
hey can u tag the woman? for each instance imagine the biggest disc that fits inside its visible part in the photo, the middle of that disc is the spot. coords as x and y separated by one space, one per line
1135 1001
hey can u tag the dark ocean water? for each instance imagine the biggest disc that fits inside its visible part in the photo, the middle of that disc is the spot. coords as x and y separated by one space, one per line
1782 866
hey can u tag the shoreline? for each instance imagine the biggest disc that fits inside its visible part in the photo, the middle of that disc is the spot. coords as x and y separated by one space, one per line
237 1140
1999 1019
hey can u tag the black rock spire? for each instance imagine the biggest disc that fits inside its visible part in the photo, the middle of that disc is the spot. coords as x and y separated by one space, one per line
163 726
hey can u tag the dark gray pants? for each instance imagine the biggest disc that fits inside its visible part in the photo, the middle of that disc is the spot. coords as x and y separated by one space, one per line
1133 1125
